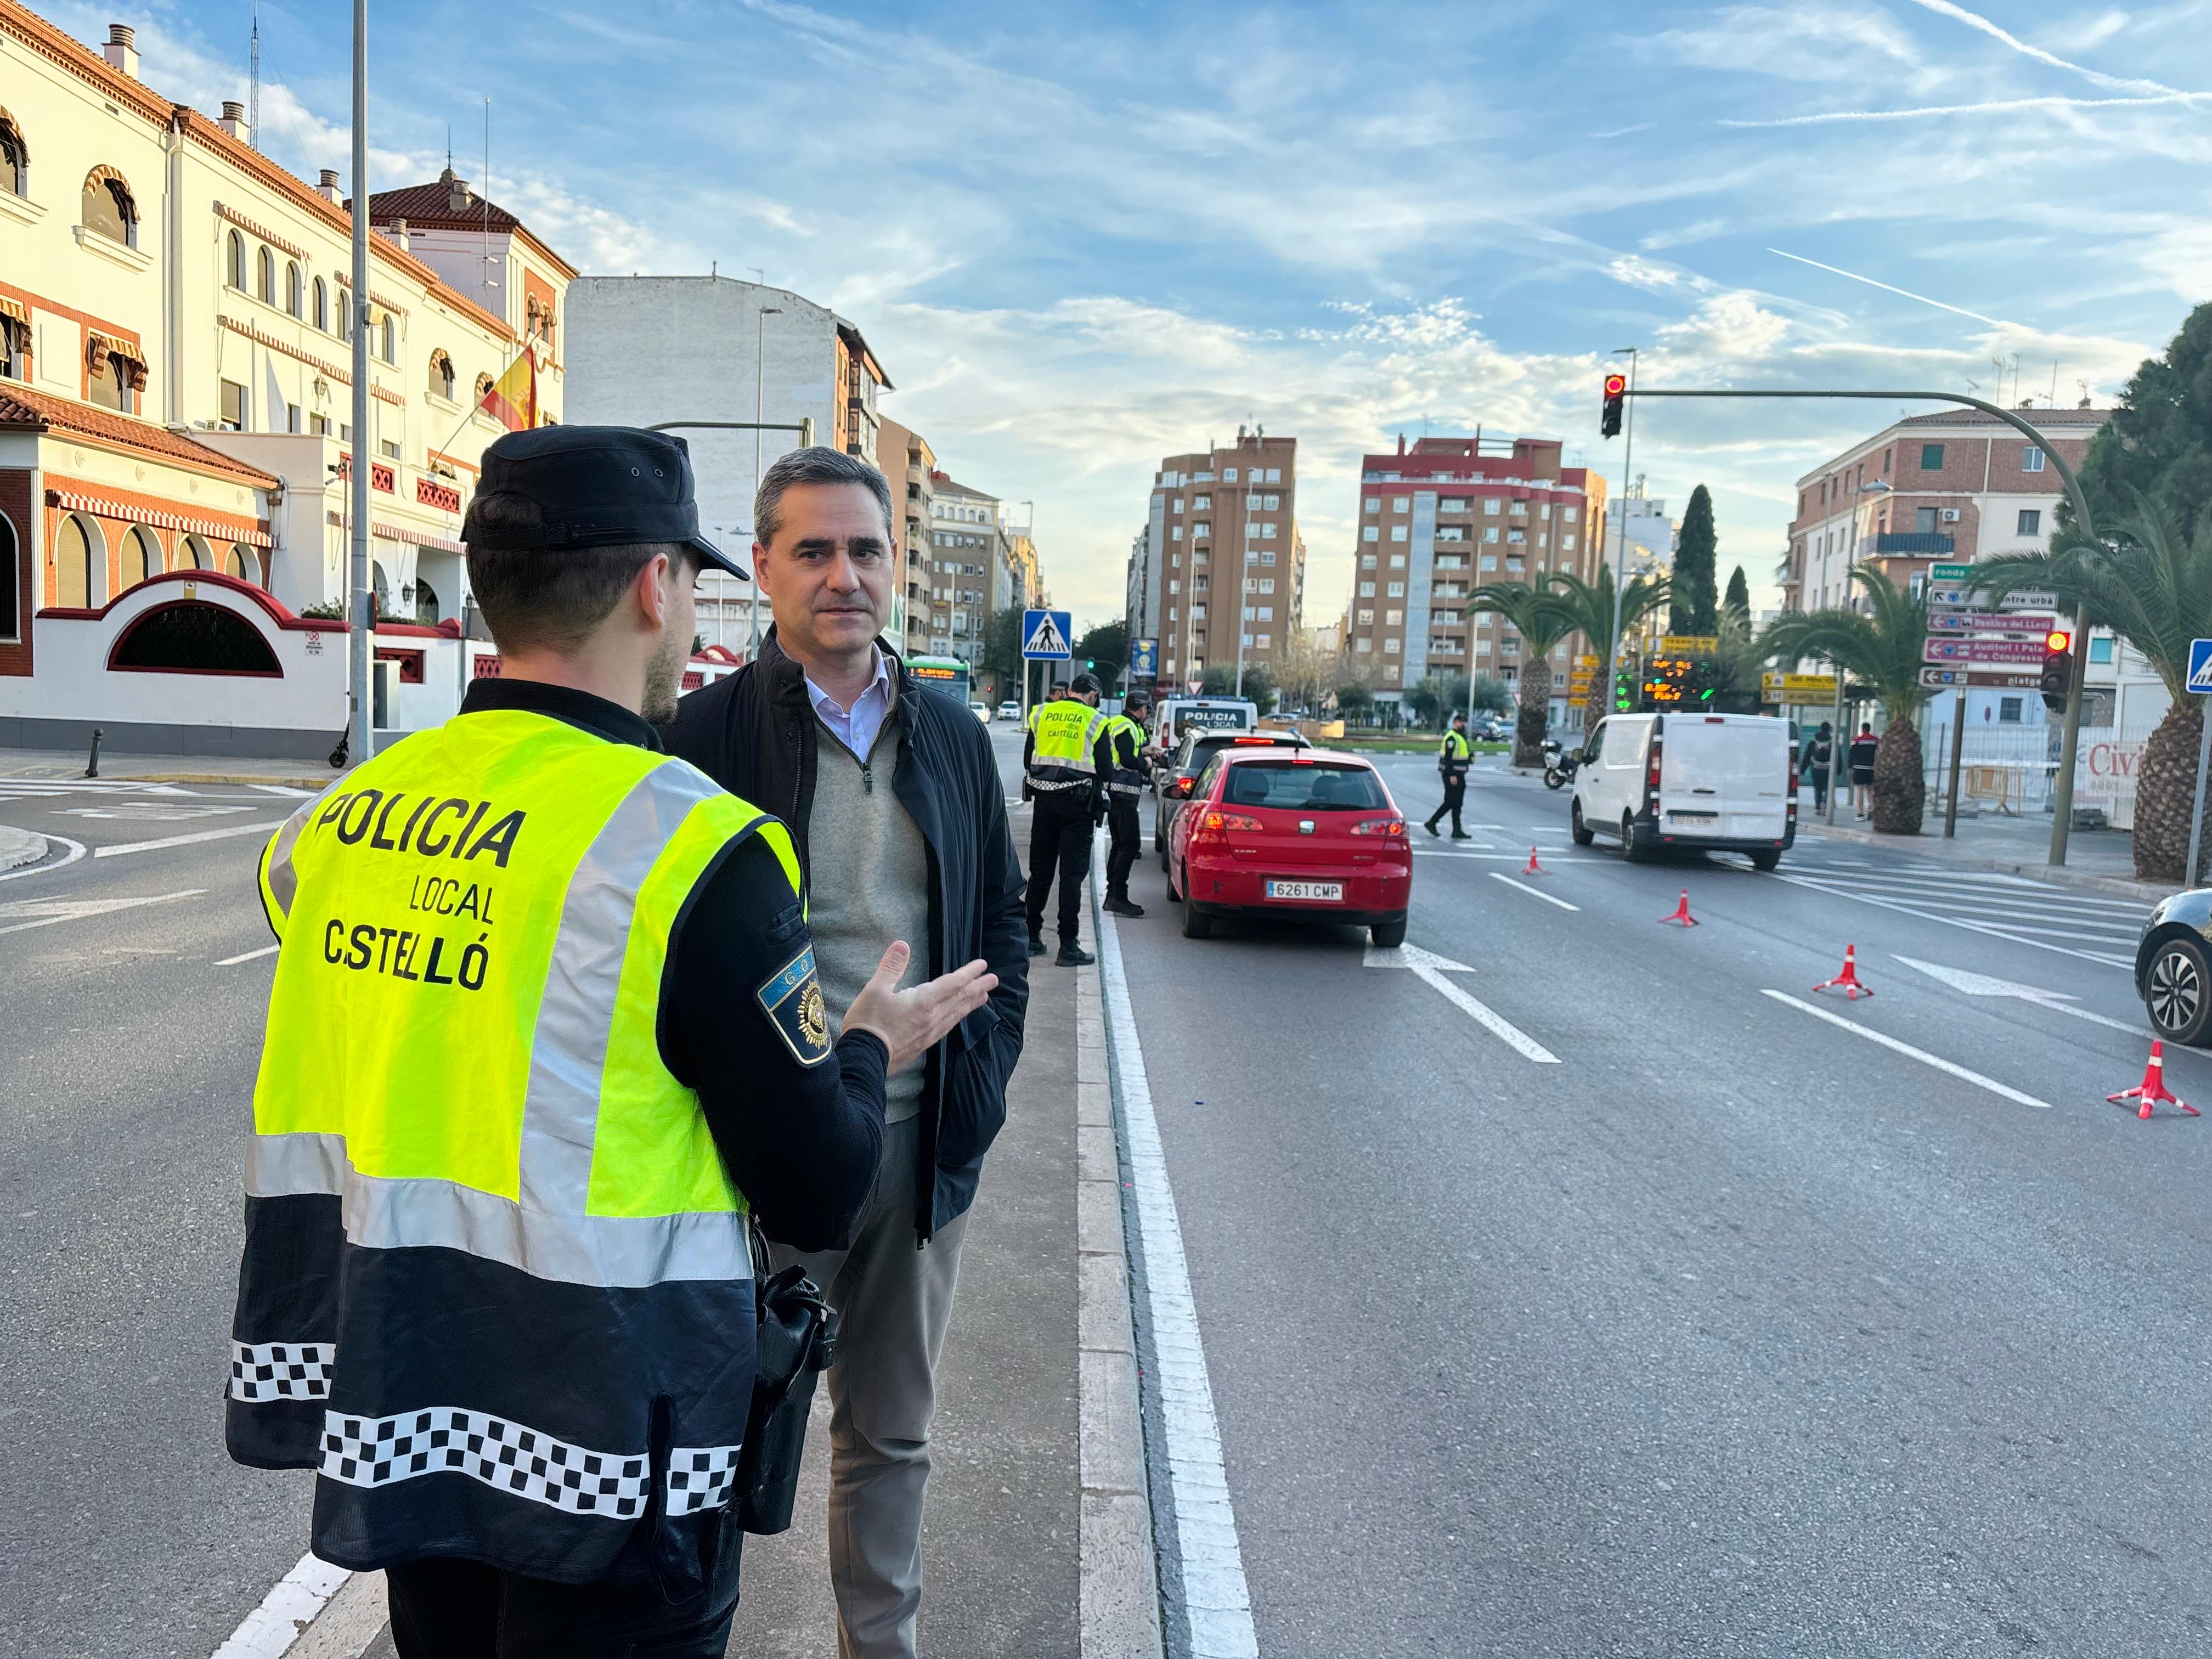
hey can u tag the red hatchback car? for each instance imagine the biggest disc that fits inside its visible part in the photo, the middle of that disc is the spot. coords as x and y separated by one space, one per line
1305 834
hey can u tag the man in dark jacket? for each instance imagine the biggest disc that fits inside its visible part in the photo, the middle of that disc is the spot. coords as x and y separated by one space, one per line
894 803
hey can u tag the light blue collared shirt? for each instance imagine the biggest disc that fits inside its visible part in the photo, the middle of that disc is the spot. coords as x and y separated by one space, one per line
856 727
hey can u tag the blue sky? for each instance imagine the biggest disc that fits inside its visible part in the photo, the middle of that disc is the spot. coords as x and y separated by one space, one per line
1081 237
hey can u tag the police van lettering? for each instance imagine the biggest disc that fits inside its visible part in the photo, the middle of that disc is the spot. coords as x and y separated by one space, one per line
369 813
402 953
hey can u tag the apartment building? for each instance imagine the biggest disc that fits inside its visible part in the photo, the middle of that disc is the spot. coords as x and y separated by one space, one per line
1214 512
1651 535
1957 485
1440 518
907 462
971 572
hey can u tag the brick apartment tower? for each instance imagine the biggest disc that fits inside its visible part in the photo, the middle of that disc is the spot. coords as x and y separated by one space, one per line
1437 519
1212 511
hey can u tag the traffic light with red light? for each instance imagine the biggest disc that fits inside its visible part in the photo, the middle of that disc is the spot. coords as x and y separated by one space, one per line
2057 669
1616 395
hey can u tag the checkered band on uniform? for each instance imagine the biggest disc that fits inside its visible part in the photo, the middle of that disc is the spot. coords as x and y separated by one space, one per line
374 1451
281 1371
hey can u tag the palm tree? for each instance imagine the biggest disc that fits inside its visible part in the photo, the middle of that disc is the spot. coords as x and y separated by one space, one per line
1881 648
2153 586
1586 609
1534 614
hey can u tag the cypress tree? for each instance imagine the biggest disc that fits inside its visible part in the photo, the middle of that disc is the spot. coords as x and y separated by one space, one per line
1739 596
1694 610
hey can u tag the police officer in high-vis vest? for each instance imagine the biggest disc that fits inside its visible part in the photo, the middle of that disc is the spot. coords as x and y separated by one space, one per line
1452 757
1064 766
1129 774
497 1289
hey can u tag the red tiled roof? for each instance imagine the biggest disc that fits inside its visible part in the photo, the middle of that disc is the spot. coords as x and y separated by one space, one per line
21 407
432 205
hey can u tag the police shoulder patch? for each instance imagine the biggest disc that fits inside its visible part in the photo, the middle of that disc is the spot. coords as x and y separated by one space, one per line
793 999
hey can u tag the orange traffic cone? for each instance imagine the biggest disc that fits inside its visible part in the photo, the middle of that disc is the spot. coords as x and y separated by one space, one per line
1535 868
1854 987
1682 912
2153 1088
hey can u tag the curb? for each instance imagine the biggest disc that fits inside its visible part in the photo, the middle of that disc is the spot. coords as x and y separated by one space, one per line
314 785
2058 875
19 846
1119 1601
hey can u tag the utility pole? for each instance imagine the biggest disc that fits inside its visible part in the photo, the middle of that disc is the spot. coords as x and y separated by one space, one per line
364 594
2062 806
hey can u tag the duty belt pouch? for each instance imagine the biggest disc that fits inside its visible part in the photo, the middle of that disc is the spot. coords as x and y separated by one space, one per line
795 1343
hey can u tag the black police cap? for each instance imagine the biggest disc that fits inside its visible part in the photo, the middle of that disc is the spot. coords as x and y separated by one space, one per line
1083 684
595 486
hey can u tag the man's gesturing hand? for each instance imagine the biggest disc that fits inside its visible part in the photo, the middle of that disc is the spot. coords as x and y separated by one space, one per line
910 1023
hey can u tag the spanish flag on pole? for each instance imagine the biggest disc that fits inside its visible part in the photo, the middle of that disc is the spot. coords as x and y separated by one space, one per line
513 401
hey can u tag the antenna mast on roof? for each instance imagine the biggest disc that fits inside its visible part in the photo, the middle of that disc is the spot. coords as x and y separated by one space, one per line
253 86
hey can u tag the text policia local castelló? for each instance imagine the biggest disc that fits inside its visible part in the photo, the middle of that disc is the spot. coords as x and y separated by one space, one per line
447 828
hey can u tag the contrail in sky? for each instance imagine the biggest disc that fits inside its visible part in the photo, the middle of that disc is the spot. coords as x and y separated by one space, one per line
1975 20
1994 105
1994 322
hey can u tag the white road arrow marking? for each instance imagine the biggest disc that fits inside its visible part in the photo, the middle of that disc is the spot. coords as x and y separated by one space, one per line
45 913
1429 968
114 848
1982 985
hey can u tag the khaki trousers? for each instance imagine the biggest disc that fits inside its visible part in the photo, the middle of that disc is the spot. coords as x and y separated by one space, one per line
893 1304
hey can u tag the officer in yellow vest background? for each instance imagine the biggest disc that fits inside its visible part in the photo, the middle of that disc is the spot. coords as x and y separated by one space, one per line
1130 776
1452 757
497 1289
1065 766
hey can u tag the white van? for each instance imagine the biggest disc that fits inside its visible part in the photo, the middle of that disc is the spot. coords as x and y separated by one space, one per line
1724 782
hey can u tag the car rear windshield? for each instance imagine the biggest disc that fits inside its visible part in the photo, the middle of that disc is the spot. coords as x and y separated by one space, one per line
1206 748
1304 788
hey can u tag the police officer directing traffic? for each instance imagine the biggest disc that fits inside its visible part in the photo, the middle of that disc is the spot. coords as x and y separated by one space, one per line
497 1288
1128 773
1064 763
1452 756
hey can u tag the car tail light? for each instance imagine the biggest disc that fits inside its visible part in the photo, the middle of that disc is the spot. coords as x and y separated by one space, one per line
1253 743
1651 773
1180 787
1380 827
1791 787
1223 822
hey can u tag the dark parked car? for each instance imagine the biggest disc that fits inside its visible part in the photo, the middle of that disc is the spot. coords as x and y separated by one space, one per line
1173 778
2173 967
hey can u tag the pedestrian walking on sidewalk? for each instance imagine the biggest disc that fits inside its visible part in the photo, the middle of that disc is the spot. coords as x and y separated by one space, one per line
1131 775
1066 762
545 1030
895 801
1860 758
1820 757
1452 757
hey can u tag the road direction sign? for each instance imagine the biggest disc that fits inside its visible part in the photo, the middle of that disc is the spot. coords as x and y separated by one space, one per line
1689 644
2200 665
2003 624
1950 573
1045 636
1984 679
1961 649
1143 658
1962 596
1797 688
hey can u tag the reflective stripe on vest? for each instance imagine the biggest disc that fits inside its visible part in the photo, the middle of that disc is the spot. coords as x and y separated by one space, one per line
1127 779
462 1035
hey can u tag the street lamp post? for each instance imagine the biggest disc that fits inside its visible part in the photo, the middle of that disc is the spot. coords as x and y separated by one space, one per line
1621 556
364 596
760 370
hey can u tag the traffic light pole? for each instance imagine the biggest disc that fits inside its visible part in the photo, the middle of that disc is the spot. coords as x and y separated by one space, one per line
1621 553
2062 805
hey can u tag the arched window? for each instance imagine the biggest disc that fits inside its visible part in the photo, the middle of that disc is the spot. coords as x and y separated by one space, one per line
108 208
14 157
441 373
322 306
292 289
234 261
264 286
76 584
382 584
484 387
194 636
141 556
11 619
426 603
240 562
345 313
390 341
192 555
109 381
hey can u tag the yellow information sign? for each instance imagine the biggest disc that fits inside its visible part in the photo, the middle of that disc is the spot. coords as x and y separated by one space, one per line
1689 644
1797 688
1586 665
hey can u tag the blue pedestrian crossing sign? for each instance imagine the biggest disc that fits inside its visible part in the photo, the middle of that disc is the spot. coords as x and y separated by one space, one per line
1045 636
2200 665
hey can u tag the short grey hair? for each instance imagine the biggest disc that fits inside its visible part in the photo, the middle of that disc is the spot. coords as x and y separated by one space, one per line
819 465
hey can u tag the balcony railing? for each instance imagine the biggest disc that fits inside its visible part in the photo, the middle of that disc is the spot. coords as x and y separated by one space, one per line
1906 542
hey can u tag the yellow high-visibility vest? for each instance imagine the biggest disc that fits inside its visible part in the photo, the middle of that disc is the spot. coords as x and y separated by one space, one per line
1062 735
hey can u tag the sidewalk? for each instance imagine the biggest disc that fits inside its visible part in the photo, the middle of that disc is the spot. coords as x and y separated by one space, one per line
167 768
2097 861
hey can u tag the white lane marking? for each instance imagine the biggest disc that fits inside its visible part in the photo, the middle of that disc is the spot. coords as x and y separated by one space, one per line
75 852
1216 1597
1492 1021
1533 892
2030 896
1950 921
271 1628
283 789
48 913
114 847
251 955
1909 1051
1986 985
1558 853
1405 956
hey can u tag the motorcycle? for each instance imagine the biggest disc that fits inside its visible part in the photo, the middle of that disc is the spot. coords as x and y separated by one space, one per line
1560 765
